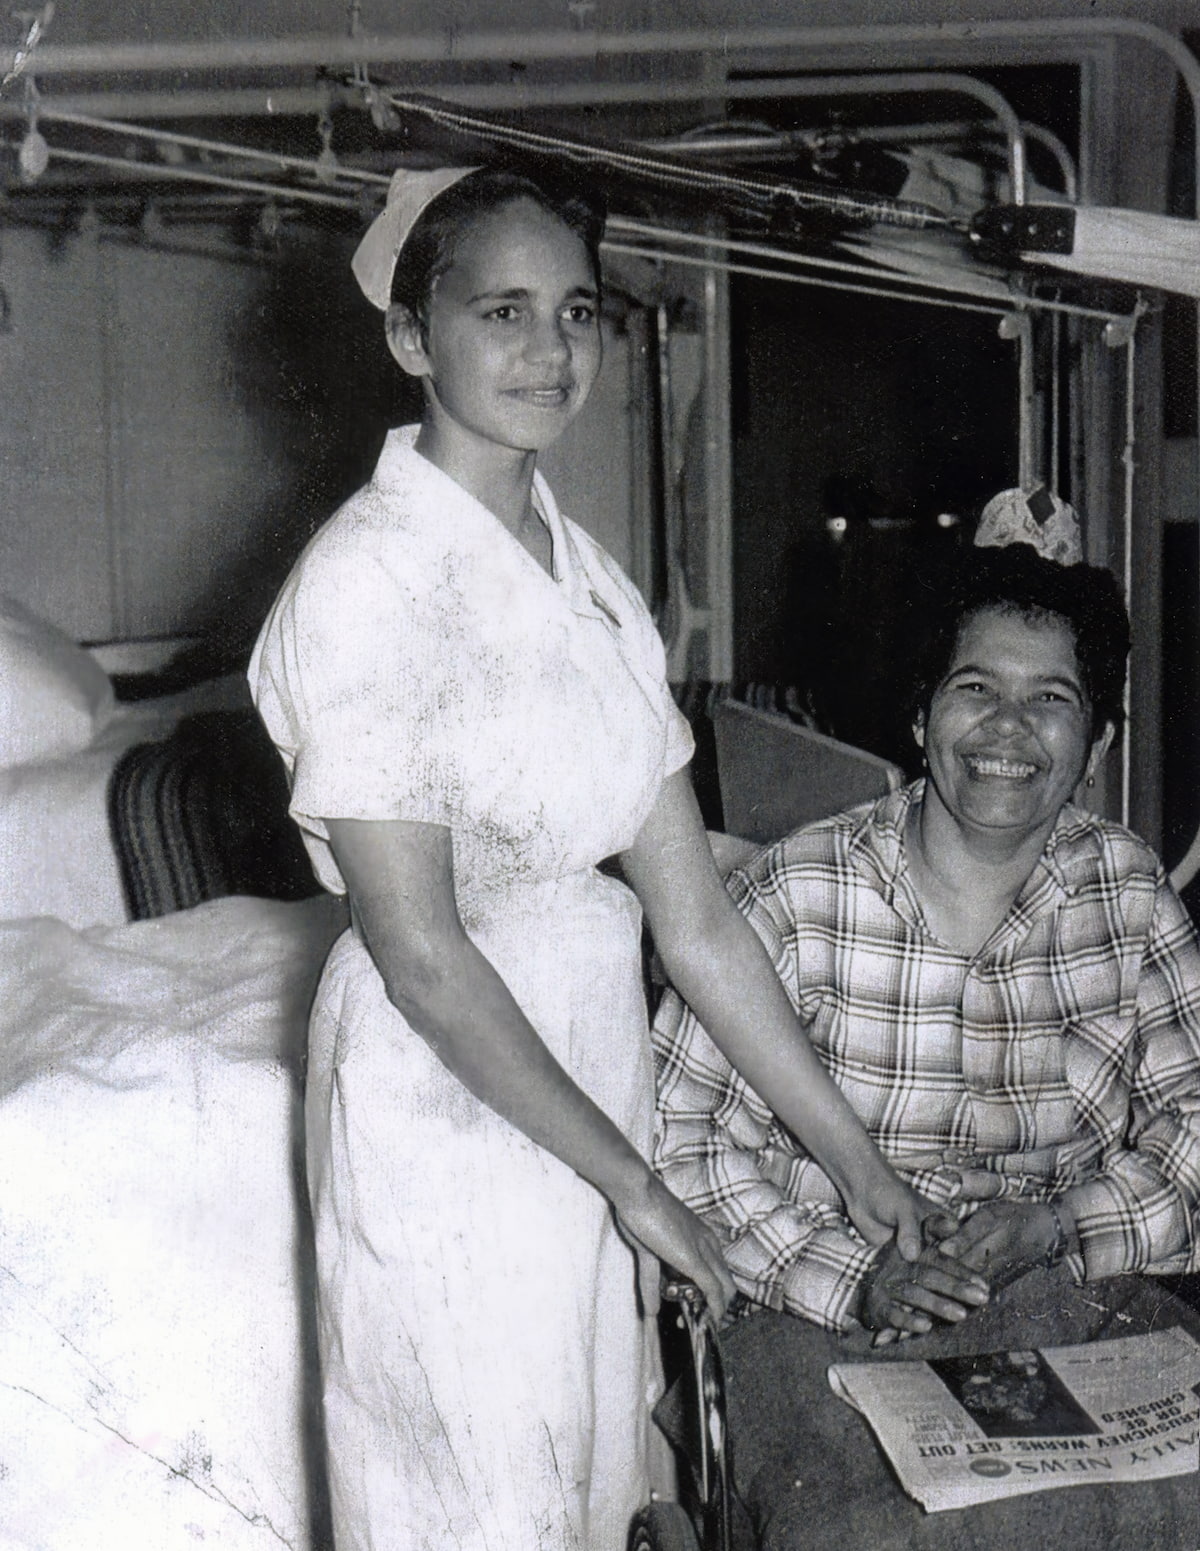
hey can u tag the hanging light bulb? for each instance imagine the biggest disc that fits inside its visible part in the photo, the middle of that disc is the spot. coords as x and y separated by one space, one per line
33 155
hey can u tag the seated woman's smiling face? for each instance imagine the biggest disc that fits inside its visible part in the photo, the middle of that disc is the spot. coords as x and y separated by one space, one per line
1009 731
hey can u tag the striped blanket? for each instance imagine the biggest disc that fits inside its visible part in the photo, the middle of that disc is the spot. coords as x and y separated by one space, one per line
203 814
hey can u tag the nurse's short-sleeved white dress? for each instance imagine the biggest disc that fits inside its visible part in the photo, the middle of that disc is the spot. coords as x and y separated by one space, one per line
487 1361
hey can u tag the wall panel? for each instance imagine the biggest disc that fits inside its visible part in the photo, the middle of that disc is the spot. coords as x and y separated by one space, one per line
54 537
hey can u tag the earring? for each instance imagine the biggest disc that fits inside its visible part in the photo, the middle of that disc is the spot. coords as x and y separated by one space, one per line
1091 781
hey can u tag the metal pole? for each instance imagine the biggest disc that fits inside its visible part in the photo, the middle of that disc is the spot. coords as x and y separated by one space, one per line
454 47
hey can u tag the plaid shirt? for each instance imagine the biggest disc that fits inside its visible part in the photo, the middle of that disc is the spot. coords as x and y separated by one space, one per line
1064 1056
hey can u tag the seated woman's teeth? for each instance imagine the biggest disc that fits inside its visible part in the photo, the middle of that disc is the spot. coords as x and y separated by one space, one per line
1013 769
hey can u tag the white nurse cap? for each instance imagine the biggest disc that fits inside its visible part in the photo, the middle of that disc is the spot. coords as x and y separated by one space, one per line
409 193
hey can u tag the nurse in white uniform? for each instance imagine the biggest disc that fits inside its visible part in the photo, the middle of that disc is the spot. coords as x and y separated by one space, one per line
470 699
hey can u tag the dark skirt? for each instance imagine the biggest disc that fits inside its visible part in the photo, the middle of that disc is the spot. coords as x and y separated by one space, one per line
811 1476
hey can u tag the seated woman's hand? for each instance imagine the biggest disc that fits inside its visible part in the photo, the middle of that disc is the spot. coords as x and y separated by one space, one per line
1001 1241
684 1243
905 1296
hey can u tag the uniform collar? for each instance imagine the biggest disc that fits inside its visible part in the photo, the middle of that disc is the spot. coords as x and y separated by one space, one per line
584 590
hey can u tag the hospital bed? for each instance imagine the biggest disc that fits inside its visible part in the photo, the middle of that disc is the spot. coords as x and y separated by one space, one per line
156 1351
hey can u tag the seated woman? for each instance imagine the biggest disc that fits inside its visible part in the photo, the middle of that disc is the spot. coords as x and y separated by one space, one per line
1008 992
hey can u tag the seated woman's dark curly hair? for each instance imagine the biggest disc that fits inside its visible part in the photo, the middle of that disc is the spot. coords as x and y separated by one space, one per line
1017 580
429 249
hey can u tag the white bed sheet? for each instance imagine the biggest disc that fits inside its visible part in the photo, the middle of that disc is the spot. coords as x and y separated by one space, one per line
153 1348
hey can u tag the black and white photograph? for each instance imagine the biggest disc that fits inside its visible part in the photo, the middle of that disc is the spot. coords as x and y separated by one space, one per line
599 766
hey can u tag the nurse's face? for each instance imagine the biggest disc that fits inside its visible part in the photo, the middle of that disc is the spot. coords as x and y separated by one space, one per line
511 344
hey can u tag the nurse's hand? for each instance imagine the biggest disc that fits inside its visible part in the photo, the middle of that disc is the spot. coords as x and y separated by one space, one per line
684 1243
882 1207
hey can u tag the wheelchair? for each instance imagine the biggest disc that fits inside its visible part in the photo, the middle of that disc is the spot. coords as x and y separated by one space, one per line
705 1523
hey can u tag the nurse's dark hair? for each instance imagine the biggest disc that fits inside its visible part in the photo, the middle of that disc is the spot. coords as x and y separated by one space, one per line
430 247
1017 580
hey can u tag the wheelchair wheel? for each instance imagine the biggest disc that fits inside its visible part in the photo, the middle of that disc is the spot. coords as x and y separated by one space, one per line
663 1526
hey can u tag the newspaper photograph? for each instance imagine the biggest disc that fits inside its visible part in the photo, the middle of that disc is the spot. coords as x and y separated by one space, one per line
973 1429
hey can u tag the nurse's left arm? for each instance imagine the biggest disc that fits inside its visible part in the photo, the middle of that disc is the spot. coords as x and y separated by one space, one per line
719 966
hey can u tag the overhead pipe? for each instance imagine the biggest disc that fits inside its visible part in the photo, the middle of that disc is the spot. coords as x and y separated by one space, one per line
235 102
827 86
239 153
162 172
454 47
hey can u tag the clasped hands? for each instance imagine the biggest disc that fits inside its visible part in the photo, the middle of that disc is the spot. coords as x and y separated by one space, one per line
958 1268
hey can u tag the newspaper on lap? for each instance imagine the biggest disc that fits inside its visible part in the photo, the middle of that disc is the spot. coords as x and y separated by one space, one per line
965 1430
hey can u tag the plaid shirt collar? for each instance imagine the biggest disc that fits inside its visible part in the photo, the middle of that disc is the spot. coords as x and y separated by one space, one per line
877 850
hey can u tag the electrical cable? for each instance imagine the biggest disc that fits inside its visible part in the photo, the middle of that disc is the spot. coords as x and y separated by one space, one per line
775 198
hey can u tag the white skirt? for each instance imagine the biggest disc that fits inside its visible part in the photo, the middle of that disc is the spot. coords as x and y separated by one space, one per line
488 1355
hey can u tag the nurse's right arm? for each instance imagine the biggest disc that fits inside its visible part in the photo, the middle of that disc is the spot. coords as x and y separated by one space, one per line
401 881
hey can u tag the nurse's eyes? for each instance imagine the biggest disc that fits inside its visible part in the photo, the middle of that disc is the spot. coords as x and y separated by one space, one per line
578 314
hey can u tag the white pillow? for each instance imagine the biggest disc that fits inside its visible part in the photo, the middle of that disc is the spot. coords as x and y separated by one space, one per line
53 697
